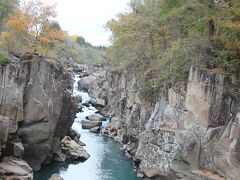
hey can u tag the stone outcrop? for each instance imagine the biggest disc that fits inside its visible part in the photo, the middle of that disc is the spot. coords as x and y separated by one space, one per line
36 107
98 102
73 150
13 168
192 132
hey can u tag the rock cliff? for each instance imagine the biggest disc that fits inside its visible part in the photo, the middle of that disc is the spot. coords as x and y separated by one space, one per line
193 132
37 108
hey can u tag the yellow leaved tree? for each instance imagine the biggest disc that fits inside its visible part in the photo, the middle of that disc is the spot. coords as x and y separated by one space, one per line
32 29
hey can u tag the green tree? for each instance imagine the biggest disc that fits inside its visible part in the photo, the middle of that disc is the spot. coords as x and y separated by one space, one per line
6 8
162 39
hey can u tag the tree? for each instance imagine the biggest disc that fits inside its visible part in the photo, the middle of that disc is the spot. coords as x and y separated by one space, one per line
82 42
33 27
6 8
225 35
162 39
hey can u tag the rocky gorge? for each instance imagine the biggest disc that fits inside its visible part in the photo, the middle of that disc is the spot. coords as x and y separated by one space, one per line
192 132
37 109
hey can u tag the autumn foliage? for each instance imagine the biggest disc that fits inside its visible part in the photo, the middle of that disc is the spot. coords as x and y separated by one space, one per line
30 29
162 39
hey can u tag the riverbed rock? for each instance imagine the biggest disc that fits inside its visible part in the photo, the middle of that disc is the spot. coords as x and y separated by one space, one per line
74 135
78 97
37 99
55 177
81 143
18 149
86 104
95 117
13 168
95 129
90 124
85 82
110 130
98 102
73 150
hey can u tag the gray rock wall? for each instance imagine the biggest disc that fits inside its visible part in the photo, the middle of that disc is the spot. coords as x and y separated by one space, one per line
36 97
192 134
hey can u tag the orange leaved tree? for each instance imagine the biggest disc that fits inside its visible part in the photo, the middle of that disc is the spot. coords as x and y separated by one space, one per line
32 29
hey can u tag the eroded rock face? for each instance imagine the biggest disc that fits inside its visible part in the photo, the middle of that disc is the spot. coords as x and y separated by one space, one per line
36 96
4 130
192 130
208 98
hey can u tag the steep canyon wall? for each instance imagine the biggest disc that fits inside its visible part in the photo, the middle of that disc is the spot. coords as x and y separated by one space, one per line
36 107
191 133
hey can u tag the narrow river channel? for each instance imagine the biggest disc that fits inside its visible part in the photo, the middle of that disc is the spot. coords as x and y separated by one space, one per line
106 161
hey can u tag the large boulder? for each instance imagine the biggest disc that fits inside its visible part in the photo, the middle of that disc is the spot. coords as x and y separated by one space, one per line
73 150
78 97
13 168
18 149
98 102
95 129
90 124
96 117
86 82
55 177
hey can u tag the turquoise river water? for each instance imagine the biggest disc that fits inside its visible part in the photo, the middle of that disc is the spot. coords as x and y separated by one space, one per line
106 161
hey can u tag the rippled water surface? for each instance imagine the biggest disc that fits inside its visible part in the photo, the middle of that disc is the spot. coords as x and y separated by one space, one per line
106 161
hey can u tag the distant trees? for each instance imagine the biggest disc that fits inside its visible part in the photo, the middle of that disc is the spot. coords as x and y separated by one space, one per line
163 38
32 28
82 42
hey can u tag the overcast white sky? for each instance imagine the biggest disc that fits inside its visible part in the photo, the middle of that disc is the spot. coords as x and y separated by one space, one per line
87 17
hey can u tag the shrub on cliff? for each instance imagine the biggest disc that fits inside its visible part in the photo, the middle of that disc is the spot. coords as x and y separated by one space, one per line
3 59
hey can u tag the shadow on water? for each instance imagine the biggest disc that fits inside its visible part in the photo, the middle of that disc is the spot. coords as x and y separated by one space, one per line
106 162
54 168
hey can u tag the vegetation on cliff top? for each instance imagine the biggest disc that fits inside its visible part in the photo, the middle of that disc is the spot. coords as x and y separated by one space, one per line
31 28
162 39
159 39
3 59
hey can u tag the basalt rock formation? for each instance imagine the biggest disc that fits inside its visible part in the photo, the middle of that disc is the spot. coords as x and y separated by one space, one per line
37 108
192 132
